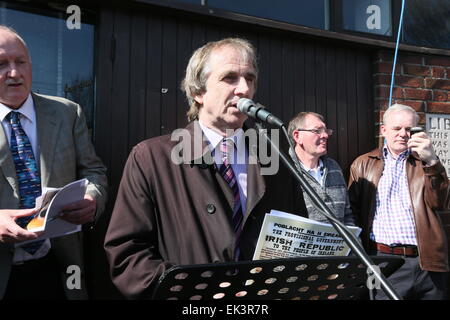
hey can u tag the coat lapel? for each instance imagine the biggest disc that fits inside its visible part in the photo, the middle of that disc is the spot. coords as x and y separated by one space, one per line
6 162
256 186
411 167
47 131
378 166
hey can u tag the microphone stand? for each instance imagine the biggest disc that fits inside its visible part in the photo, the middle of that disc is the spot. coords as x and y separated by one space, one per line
348 237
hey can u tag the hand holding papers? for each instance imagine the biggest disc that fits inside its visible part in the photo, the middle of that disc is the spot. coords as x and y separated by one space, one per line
285 235
50 204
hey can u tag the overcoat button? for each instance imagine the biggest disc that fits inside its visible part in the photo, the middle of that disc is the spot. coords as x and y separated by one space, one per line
203 166
210 208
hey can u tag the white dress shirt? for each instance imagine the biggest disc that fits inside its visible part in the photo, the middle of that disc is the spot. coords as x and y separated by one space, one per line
28 122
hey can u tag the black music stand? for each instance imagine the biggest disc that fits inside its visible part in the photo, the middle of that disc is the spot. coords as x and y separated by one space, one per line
311 278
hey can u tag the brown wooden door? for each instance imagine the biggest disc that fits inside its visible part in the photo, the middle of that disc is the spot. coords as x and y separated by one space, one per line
142 55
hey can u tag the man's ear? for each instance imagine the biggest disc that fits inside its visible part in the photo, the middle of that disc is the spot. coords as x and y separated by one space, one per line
382 130
199 99
296 136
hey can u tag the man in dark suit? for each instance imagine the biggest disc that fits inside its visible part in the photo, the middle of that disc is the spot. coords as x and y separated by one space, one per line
176 203
59 151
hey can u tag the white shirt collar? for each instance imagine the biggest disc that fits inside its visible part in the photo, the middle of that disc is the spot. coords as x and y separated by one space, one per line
27 110
320 167
215 138
402 156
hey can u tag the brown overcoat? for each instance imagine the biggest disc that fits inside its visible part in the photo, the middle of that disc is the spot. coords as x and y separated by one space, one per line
168 213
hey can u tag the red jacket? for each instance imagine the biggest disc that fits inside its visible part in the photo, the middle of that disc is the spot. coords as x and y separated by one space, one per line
428 187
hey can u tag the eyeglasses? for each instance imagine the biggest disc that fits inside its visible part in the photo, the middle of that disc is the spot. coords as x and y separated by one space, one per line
318 131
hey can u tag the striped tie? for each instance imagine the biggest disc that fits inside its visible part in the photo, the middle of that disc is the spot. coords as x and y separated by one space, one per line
27 173
227 149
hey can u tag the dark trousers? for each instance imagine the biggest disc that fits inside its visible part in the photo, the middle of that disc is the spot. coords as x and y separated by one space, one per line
35 280
413 283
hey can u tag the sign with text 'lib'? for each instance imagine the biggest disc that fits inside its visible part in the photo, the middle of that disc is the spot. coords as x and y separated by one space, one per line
438 129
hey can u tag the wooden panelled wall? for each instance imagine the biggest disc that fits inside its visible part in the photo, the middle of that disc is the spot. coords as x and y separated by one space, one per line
142 55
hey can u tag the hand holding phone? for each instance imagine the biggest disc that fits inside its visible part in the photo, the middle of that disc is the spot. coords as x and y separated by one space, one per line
422 146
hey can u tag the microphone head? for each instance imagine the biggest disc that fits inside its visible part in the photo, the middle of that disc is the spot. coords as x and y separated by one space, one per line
245 104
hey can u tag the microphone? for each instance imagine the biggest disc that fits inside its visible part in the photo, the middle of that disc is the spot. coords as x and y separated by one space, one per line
258 111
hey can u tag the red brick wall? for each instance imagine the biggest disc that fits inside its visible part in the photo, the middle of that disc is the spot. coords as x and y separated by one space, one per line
421 81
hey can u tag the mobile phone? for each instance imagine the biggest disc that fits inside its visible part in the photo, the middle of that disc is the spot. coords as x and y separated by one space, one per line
415 130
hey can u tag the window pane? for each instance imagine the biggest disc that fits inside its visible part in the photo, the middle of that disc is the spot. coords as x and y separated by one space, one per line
370 16
190 1
427 23
302 12
62 59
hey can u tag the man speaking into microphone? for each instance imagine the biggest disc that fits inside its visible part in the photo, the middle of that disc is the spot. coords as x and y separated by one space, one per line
209 207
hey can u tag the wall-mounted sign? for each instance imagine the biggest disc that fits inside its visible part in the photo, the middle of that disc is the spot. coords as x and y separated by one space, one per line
370 16
438 129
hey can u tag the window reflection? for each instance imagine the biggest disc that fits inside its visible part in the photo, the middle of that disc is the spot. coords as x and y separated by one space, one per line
427 24
62 59
369 16
302 12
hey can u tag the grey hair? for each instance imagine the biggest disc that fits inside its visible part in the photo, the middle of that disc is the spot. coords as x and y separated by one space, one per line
197 70
400 107
14 32
299 121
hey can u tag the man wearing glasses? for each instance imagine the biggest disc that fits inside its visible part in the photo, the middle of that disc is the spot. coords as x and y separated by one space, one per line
310 137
